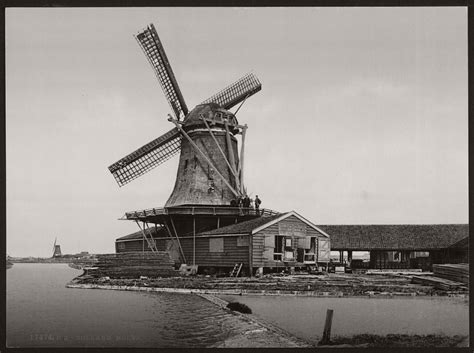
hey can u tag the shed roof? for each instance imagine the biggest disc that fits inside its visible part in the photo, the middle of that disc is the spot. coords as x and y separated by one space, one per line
242 227
255 225
138 235
395 236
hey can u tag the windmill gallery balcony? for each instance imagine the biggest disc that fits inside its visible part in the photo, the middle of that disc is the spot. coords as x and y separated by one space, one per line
157 215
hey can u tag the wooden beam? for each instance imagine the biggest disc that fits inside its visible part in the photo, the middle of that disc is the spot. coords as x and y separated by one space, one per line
177 238
231 156
144 235
194 241
223 154
250 255
240 172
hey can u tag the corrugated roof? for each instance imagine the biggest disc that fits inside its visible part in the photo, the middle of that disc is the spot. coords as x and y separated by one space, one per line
398 236
242 227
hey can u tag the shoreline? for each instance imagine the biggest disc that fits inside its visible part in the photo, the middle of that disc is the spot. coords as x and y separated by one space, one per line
263 292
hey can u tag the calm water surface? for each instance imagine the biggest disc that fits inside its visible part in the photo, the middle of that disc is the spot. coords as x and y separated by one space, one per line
41 312
305 316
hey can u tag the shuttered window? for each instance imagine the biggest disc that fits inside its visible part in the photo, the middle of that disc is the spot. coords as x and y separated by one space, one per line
243 241
216 244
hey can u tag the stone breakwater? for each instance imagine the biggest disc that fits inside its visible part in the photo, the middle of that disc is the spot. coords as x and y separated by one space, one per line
257 332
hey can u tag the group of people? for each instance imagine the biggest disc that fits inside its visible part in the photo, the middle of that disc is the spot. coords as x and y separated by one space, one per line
245 202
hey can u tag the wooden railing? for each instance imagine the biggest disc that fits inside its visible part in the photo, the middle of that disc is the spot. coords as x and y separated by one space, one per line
199 210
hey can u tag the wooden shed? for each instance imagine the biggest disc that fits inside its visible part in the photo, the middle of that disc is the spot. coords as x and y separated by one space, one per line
272 242
398 246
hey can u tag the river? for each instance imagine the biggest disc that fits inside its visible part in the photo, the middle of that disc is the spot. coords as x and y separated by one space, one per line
305 316
41 312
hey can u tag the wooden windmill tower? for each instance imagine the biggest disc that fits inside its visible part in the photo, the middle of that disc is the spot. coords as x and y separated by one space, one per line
56 249
210 169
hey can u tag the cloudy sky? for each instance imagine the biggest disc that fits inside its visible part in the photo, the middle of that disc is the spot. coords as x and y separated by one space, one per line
362 118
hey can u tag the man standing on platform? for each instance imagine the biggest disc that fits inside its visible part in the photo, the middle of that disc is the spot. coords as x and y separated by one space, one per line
257 204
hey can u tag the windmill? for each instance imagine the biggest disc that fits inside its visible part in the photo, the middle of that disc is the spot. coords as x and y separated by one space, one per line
56 249
210 170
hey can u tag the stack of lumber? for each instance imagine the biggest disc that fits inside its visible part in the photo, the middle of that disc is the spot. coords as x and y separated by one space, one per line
134 265
454 272
438 283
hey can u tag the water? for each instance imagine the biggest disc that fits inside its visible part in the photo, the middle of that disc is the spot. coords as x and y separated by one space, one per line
41 312
305 316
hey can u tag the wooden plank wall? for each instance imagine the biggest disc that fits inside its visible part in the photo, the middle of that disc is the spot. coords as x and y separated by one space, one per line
231 255
263 255
130 246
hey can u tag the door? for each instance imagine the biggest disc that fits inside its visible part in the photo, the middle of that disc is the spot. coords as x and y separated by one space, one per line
324 251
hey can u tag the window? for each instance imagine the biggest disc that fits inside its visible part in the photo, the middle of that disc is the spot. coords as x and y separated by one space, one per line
243 241
310 251
216 244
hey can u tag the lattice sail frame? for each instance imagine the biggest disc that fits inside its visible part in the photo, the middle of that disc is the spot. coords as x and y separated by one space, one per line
155 53
147 157
166 146
236 92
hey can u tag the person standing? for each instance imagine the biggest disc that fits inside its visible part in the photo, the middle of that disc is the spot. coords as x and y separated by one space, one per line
246 204
257 204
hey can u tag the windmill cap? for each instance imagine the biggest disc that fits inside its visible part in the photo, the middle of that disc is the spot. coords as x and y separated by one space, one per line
213 113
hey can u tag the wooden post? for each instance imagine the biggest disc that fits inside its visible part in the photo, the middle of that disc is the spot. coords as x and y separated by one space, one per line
177 238
230 150
327 328
250 255
194 241
241 160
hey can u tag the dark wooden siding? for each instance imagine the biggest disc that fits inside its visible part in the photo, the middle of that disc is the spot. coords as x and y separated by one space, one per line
231 255
130 246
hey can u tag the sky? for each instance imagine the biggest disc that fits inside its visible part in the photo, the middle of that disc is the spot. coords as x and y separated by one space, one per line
362 117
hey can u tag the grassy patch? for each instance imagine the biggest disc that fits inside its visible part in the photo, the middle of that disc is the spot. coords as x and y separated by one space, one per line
399 340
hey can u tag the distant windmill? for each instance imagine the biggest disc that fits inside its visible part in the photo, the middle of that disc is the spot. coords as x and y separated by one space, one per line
210 171
56 249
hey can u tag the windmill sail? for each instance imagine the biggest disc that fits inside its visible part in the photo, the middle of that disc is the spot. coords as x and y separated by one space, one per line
236 92
154 51
147 157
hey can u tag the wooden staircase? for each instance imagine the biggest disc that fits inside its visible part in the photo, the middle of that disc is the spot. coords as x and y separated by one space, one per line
236 270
